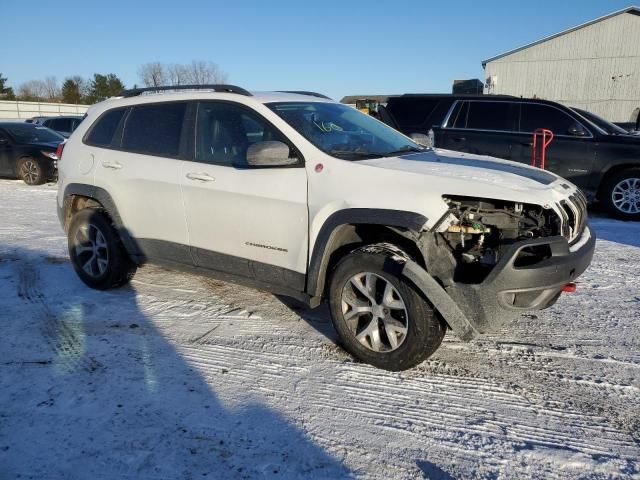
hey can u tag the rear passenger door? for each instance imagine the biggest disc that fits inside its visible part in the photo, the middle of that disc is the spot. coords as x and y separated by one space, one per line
141 171
480 127
569 155
244 220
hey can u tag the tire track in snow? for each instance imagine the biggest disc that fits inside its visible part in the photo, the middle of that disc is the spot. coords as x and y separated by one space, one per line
63 332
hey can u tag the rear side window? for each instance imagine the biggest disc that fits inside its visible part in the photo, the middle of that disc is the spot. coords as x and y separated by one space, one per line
105 128
154 129
59 124
489 116
534 116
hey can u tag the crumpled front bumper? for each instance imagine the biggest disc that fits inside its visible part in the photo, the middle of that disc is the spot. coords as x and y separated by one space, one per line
510 289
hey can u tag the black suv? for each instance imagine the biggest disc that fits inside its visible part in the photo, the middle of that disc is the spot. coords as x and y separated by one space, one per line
63 125
606 166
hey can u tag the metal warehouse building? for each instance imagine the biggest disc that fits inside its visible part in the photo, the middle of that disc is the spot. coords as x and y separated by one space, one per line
594 66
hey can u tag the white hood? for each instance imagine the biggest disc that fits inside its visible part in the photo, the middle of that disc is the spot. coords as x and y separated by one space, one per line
468 167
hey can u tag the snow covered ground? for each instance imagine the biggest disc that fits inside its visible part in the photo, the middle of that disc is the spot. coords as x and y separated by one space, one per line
182 377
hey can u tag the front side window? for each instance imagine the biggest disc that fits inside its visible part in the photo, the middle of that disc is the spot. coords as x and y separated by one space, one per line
533 115
225 131
154 129
343 131
458 117
105 128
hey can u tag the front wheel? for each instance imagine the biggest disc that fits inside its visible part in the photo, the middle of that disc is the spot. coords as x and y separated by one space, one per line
380 317
621 194
97 254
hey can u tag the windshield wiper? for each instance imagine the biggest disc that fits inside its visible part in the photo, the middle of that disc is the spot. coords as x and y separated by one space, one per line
355 154
406 149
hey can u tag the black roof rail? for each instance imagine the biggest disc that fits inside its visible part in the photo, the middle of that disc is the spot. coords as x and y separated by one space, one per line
134 92
303 92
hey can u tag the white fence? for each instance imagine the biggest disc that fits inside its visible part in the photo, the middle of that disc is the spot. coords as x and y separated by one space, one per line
19 110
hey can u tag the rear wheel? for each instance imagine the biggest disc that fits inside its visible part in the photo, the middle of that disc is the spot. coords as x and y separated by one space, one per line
95 249
621 194
380 317
30 171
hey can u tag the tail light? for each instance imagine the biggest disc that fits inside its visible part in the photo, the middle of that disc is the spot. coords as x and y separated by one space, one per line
59 150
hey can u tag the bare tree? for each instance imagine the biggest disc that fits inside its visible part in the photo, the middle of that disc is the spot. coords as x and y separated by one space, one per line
152 74
202 72
156 74
51 89
32 91
177 74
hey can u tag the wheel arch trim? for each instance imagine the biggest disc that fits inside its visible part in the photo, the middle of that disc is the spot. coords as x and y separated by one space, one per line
104 199
327 239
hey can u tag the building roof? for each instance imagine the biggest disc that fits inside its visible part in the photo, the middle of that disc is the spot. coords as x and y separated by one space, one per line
632 10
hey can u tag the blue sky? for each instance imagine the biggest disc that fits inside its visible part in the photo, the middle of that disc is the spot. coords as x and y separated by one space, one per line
335 47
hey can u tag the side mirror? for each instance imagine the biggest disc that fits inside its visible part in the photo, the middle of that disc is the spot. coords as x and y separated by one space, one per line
421 139
269 154
577 130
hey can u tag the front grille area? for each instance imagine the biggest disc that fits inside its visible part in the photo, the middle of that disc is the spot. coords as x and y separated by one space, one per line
574 215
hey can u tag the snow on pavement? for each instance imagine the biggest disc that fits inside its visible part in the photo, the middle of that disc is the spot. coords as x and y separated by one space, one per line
180 377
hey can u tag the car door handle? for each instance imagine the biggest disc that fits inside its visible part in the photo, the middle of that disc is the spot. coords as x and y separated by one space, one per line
525 144
112 165
459 139
201 177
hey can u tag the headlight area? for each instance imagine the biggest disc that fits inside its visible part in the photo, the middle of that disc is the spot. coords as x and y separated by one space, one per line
474 233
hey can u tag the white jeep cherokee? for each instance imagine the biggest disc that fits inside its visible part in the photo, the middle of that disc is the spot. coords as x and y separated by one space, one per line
296 194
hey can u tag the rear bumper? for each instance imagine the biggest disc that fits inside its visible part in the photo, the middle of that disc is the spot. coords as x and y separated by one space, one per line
509 290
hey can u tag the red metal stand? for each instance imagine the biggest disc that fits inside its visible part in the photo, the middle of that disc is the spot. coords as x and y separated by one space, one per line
546 136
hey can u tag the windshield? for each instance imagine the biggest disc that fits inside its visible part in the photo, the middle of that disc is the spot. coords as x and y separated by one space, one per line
31 133
608 127
343 131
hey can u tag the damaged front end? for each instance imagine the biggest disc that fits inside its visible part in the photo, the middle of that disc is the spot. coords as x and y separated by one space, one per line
497 258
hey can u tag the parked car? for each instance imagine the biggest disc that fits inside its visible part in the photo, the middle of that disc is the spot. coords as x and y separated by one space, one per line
302 196
605 166
28 152
64 125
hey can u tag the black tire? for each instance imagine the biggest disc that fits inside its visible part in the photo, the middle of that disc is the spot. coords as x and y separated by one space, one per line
609 189
111 266
30 171
424 328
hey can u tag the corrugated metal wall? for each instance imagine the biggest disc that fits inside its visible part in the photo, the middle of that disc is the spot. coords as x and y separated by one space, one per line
596 68
18 110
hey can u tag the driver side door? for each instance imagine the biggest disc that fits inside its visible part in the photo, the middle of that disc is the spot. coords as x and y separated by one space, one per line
569 155
244 220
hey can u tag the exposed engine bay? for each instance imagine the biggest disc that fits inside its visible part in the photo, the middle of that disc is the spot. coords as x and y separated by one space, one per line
474 233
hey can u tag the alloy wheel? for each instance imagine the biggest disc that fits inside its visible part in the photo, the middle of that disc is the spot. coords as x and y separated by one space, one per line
374 312
91 250
29 171
626 195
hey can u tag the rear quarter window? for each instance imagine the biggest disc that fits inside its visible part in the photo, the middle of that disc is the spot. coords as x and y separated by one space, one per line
416 112
103 131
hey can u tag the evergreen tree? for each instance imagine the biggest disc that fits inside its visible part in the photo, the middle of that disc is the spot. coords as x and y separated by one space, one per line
103 87
71 91
6 93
